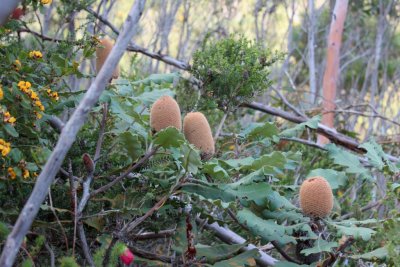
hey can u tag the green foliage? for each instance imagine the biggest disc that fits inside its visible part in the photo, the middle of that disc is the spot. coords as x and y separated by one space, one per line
68 262
232 71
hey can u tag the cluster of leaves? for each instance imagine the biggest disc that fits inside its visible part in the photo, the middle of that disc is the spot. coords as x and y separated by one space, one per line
232 71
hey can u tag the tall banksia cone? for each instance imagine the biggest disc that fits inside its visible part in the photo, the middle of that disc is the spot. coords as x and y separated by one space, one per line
198 132
316 198
164 113
102 53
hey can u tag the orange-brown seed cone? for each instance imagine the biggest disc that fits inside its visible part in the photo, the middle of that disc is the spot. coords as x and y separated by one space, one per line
316 198
198 132
165 112
102 52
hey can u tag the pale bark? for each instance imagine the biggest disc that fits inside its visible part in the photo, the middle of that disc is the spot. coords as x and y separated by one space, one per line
331 75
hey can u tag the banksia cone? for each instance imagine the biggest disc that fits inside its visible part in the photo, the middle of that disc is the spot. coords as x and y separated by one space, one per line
198 132
316 198
102 53
165 112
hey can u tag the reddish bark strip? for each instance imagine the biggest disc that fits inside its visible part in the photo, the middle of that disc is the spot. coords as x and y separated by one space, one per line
331 75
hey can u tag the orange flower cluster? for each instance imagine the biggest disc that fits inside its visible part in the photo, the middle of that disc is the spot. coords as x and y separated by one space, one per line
1 93
35 54
25 171
5 147
11 173
25 87
53 95
8 118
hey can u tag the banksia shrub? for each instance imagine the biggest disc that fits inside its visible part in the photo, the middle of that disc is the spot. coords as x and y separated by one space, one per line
198 132
316 198
164 113
102 53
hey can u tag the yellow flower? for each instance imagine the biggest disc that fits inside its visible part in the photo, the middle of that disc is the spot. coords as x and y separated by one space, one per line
17 64
24 86
34 96
45 2
12 120
35 54
1 93
8 118
48 91
38 115
25 173
11 173
5 147
55 96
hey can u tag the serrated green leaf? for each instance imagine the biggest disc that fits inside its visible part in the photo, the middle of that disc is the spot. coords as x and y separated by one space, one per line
215 170
245 259
158 78
377 156
217 252
357 232
169 137
379 253
346 159
131 143
259 130
299 128
148 98
335 179
320 245
268 230
209 192
275 160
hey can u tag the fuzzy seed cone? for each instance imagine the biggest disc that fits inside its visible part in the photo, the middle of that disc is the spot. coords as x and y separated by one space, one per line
165 112
198 132
102 52
316 198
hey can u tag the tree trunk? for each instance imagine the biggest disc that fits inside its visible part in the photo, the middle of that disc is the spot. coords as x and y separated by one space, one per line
331 75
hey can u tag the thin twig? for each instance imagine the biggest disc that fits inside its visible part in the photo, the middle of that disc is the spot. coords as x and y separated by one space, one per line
73 202
365 208
220 125
51 252
134 167
132 225
58 220
85 247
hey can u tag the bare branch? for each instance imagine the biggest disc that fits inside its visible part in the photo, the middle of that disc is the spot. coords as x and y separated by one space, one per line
67 138
330 133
